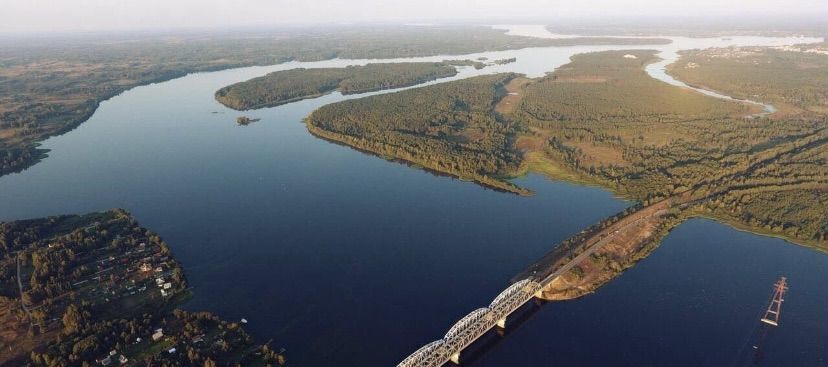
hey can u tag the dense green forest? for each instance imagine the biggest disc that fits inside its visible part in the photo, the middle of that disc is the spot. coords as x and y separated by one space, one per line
447 127
795 82
610 87
602 119
49 86
292 85
75 288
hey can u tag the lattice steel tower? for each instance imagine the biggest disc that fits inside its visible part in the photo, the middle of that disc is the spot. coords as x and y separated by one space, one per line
775 307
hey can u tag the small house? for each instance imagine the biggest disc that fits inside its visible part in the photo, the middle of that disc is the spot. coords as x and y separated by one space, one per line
158 334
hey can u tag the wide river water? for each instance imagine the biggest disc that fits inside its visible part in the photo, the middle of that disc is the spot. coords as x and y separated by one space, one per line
346 259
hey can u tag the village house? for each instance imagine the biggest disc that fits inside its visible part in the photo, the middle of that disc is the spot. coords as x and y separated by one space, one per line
158 334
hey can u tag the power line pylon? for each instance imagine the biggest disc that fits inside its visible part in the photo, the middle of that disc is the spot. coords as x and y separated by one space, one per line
775 307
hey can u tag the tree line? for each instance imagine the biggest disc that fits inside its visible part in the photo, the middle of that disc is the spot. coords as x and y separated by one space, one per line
292 85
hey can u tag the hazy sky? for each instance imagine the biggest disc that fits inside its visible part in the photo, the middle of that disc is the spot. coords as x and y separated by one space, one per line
96 15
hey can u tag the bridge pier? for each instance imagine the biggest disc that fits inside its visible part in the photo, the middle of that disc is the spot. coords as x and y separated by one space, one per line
539 294
473 326
501 323
455 358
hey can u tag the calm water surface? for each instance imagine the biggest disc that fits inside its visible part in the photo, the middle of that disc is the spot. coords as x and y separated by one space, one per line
346 259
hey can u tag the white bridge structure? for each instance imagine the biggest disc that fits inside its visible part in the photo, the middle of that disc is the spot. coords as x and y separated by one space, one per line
477 323
473 326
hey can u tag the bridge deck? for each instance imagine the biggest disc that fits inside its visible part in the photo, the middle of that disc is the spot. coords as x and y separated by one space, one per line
473 326
530 283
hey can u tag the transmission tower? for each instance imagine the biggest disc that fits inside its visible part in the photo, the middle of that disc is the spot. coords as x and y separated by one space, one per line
775 307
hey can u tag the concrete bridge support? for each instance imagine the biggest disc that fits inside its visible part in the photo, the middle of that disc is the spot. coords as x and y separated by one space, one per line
539 294
474 325
501 323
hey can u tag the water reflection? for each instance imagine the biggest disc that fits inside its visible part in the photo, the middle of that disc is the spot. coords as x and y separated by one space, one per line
348 259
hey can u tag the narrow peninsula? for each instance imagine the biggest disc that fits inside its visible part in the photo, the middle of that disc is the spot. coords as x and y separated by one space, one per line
602 120
296 84
450 128
35 104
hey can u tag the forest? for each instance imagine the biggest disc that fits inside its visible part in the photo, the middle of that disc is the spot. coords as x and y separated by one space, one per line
602 119
447 127
50 86
609 87
75 290
295 84
794 82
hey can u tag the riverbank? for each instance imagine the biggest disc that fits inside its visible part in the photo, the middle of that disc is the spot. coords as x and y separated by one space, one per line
289 86
573 137
93 276
790 77
599 119
390 154
34 105
274 202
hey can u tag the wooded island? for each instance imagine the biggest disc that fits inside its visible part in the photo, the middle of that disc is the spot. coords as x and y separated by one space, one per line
296 84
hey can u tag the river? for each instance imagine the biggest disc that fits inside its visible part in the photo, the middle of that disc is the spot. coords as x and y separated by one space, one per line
669 54
347 259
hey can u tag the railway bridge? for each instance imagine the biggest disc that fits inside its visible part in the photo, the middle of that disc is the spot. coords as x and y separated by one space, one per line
530 284
473 326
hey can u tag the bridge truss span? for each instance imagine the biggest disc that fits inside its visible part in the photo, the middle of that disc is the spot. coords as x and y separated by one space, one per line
467 321
473 326
509 292
417 357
